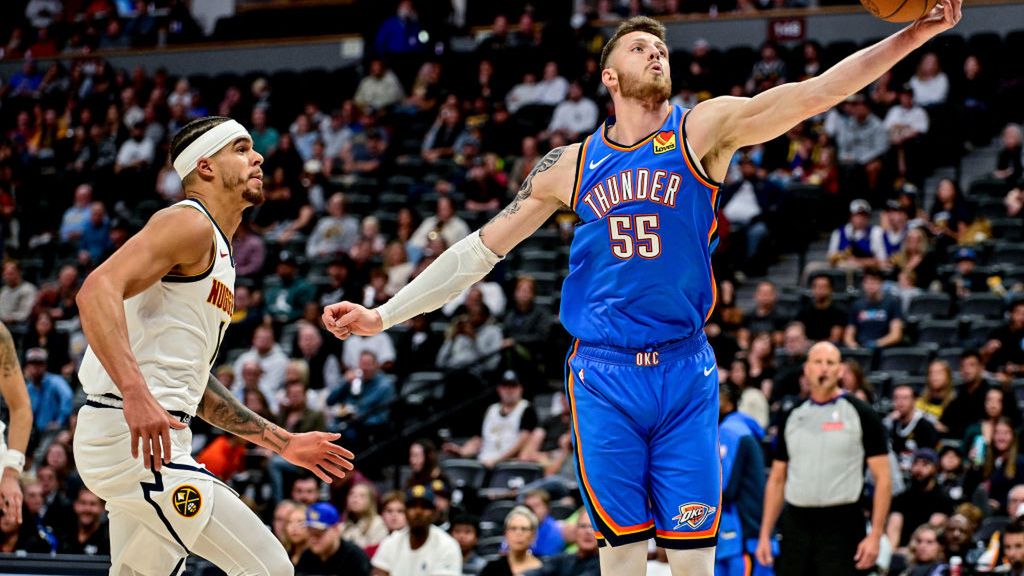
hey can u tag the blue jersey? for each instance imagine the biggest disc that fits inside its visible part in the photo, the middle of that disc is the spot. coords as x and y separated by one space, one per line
640 264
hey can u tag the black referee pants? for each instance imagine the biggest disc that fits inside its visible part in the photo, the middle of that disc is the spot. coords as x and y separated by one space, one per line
819 541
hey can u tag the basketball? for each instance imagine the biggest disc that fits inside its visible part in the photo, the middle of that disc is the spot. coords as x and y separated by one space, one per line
899 10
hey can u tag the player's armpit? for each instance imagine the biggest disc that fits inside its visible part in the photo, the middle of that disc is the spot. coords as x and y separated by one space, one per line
547 187
219 407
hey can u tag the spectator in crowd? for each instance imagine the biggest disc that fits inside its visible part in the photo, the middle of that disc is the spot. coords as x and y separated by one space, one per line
526 325
287 296
978 437
949 215
49 393
909 428
929 83
506 429
335 232
392 510
875 318
421 548
520 529
296 531
362 525
466 531
24 538
328 553
473 339
362 404
423 463
1011 155
1005 346
90 535
552 88
224 456
968 406
893 231
743 483
916 260
444 222
951 473
379 89
57 299
401 33
749 203
974 96
296 416
279 525
855 244
324 367
75 217
249 250
907 125
938 392
768 72
1013 544
1002 468
926 552
822 317
923 502
16 297
264 136
862 141
525 93
306 491
137 153
380 345
966 280
94 243
823 529
446 134
582 562
764 318
547 537
575 116
752 401
271 361
44 336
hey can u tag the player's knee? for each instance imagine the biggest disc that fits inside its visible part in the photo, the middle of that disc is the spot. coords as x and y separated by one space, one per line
697 562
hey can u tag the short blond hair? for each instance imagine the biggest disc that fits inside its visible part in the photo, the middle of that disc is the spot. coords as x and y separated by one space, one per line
634 24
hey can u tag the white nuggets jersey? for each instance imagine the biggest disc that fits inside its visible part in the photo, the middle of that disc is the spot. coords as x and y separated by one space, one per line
175 328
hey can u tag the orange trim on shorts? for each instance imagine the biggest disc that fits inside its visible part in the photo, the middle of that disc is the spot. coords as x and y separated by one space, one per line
690 161
748 565
605 517
580 163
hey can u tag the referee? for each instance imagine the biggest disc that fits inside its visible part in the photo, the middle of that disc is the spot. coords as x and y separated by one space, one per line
818 471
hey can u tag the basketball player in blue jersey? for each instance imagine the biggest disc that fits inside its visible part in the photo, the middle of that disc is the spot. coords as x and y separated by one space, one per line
154 314
12 449
641 379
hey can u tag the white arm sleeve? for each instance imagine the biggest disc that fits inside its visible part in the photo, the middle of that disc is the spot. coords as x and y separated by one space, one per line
458 268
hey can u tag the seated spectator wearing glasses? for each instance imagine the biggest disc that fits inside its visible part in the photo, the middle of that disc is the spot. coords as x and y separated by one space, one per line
328 554
583 562
520 530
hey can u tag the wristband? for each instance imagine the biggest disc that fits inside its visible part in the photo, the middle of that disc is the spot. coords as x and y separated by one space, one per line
13 459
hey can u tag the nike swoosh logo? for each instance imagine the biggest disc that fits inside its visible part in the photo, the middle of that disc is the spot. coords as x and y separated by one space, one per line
223 254
599 162
708 370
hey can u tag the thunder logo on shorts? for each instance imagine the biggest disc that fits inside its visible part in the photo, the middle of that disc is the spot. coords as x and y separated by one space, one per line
187 501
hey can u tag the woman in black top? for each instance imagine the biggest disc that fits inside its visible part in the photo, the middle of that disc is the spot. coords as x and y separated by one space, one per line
520 530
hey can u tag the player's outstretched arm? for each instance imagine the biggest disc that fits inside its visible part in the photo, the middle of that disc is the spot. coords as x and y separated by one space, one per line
470 259
314 451
720 126
178 239
15 395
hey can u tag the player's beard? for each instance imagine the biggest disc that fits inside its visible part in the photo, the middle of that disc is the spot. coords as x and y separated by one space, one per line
254 197
636 87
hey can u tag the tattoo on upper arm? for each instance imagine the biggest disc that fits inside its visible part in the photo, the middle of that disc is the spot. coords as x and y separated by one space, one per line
220 408
549 160
9 365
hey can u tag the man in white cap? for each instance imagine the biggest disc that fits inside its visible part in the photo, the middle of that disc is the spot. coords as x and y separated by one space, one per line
154 314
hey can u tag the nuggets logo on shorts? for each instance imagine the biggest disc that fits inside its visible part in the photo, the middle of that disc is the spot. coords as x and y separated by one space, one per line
664 142
693 515
187 501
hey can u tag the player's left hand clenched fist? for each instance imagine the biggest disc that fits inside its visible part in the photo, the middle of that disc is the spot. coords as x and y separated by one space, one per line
346 318
316 452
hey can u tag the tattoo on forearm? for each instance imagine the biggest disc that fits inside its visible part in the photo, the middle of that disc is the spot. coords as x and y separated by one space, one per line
8 355
526 189
220 408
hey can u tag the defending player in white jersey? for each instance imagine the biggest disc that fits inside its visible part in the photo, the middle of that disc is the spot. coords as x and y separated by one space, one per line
12 451
154 314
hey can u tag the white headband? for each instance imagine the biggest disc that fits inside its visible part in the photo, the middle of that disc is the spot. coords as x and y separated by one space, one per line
207 145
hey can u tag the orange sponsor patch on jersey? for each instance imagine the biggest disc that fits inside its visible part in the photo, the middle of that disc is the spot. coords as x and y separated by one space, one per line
664 142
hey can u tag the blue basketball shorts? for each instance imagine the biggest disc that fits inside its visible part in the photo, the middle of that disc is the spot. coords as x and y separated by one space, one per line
645 436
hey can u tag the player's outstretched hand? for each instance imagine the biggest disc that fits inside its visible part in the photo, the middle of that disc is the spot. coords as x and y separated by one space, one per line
764 552
10 493
150 423
316 452
942 17
345 319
